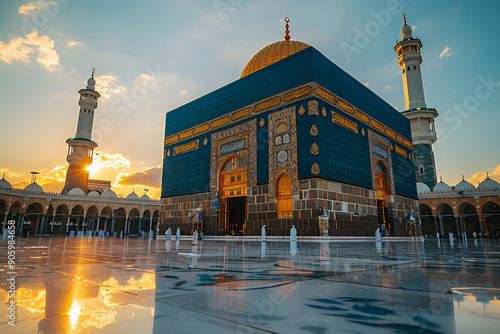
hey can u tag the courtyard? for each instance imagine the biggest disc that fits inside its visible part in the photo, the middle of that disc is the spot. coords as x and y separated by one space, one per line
107 285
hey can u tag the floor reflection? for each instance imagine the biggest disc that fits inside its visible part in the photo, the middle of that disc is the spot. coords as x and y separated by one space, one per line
143 286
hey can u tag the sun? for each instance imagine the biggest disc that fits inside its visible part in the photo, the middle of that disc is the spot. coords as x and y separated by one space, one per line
93 168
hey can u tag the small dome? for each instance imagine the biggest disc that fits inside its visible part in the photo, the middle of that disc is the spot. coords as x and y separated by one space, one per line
145 197
4 184
132 195
486 184
441 186
34 188
76 192
93 193
464 186
109 194
422 187
406 32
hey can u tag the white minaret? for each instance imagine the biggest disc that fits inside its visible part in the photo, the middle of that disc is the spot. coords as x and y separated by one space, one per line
409 59
421 118
81 148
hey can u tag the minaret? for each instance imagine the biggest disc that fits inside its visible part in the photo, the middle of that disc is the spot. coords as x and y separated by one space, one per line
421 118
81 148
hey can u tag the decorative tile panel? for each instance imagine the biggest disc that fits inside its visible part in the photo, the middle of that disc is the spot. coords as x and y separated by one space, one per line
240 140
282 148
380 152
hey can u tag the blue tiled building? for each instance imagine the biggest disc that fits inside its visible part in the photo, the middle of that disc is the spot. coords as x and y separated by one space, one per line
294 135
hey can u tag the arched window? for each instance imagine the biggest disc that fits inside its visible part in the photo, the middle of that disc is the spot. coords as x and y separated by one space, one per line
408 68
421 170
403 71
414 67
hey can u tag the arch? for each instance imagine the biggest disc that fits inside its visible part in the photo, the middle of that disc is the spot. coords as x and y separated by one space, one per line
427 219
92 211
91 218
146 214
106 219
491 219
468 218
62 209
107 211
59 220
284 196
120 217
32 219
134 222
447 220
3 211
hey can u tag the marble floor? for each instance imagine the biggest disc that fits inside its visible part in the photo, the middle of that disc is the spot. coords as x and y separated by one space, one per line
92 285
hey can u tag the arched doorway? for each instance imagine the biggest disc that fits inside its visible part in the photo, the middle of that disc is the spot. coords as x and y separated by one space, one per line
382 204
284 196
146 221
3 213
120 220
76 219
106 219
491 219
447 219
133 222
33 218
469 219
61 220
91 218
233 191
15 214
427 219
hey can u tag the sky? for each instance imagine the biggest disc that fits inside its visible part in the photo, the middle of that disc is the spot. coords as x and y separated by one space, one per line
153 56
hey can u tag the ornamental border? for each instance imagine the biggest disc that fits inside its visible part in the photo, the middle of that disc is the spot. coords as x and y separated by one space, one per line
293 95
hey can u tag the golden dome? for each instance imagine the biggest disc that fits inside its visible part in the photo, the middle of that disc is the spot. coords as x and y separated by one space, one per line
272 54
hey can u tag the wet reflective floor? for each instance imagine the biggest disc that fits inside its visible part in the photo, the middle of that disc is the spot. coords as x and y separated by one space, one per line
83 285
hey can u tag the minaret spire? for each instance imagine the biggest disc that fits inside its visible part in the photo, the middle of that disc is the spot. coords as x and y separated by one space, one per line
287 36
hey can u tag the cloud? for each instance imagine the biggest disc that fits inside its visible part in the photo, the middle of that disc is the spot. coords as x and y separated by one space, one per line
105 85
445 53
103 159
150 177
479 177
35 7
20 49
8 173
72 43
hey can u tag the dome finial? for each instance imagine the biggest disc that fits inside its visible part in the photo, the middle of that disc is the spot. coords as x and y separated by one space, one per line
463 178
404 17
287 37
441 179
93 70
487 175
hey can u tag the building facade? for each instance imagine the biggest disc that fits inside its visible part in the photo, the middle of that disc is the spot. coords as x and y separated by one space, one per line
461 209
293 135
